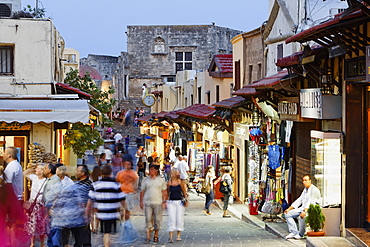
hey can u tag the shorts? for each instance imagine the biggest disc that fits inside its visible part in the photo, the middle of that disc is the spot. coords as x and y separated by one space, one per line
108 226
153 216
130 201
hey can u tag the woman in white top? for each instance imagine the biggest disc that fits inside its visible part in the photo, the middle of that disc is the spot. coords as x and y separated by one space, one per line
35 225
209 177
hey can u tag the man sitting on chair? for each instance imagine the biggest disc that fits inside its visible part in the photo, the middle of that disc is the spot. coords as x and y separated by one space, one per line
310 195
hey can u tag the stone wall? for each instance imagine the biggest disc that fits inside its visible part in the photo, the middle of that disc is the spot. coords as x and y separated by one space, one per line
106 65
151 50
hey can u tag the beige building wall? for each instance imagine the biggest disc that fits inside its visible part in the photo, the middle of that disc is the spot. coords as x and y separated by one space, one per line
238 54
71 60
186 88
36 50
248 49
224 86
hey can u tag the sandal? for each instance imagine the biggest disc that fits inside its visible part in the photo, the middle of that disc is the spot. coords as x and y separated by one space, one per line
155 239
147 241
178 239
170 240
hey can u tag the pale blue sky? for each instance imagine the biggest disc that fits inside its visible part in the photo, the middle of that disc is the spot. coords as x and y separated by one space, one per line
98 27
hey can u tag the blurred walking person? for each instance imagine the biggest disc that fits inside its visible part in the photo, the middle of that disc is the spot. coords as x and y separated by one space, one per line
36 225
107 198
176 205
128 180
209 177
153 198
227 184
11 215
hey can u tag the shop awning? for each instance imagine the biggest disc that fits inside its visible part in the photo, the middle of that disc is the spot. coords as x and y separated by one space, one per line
280 81
268 81
47 111
230 102
245 91
200 111
296 58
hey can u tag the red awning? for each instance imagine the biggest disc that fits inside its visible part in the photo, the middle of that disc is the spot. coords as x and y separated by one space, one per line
144 118
68 88
268 81
172 115
161 114
296 57
198 111
306 34
245 91
230 102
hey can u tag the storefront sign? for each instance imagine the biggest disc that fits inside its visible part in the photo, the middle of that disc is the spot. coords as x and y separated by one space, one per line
241 133
288 108
14 126
315 105
355 68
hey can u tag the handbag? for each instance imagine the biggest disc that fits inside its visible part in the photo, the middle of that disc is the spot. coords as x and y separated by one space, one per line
184 201
206 188
224 187
29 206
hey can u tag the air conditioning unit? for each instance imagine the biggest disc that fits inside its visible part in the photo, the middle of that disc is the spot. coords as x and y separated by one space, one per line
7 7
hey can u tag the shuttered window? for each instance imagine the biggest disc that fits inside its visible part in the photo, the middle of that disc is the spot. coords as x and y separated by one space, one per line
6 60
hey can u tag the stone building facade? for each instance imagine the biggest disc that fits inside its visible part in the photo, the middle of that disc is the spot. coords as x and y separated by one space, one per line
156 53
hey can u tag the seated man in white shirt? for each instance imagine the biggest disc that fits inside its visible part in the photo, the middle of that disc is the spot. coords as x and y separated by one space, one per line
310 195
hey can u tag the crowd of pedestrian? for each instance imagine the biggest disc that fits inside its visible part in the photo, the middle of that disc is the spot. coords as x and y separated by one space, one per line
124 116
65 210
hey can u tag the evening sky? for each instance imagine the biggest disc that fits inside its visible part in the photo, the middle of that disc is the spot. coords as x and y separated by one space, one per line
98 27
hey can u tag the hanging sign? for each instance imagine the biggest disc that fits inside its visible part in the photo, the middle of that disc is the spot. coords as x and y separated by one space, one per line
14 126
315 105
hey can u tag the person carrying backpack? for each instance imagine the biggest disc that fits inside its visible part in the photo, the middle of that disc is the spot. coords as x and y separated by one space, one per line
226 189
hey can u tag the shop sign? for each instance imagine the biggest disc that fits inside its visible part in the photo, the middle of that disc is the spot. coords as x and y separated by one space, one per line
14 126
288 108
315 105
241 133
355 68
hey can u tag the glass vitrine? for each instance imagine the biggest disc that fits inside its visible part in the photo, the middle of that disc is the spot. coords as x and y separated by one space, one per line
326 166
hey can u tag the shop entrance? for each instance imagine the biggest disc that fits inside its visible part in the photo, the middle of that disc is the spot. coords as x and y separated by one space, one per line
17 140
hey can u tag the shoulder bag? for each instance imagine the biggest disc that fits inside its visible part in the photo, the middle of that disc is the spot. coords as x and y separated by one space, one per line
28 206
206 188
224 187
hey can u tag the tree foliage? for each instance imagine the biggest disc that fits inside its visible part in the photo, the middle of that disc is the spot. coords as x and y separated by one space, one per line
82 137
99 99
36 13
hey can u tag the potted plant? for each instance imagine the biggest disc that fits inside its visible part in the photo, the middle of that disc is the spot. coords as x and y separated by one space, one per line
315 220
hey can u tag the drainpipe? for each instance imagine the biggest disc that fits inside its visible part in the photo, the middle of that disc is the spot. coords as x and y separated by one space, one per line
343 206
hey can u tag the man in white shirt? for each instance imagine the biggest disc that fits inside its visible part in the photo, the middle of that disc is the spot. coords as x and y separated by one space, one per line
13 171
64 179
177 162
183 168
310 195
117 137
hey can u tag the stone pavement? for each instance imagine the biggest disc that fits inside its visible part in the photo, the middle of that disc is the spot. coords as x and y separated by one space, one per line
280 228
203 230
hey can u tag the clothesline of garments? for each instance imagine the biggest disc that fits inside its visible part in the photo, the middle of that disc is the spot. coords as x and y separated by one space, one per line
204 159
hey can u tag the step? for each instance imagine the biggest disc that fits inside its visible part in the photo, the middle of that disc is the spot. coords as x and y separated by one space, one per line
328 241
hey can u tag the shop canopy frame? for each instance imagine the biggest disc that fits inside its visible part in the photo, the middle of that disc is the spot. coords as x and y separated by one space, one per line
44 110
342 30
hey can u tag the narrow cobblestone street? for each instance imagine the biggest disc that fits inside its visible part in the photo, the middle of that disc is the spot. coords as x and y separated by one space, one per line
202 230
